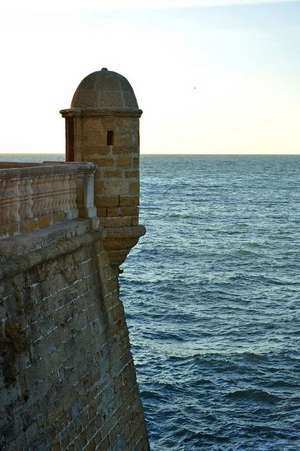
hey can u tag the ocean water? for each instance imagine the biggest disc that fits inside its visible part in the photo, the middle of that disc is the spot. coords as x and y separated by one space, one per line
212 296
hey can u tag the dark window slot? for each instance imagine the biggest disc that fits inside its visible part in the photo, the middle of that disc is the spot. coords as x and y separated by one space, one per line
110 138
70 139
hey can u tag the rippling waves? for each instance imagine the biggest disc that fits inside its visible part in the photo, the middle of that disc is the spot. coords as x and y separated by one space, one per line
212 300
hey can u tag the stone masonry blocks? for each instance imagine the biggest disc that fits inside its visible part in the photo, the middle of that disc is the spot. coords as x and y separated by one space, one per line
68 378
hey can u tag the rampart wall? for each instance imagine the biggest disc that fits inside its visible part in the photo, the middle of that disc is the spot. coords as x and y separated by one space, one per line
67 377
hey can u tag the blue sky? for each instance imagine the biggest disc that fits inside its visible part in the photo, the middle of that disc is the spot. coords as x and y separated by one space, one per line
210 79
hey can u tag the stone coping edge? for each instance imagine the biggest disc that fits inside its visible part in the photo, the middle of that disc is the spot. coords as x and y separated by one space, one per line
124 232
47 169
64 241
17 164
80 112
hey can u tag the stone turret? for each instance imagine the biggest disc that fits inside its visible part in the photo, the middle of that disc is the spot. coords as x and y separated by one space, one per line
102 126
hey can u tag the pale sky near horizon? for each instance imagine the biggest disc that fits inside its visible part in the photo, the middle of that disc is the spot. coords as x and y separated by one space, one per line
212 76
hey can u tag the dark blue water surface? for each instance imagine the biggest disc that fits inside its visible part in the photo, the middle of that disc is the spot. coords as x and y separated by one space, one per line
212 295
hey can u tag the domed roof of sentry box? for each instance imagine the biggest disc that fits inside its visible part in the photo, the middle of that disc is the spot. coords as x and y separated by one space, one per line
105 89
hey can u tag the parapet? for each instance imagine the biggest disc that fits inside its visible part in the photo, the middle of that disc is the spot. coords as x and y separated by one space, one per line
35 196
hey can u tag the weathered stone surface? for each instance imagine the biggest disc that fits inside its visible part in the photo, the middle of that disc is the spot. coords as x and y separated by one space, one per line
105 89
128 201
34 197
68 380
106 131
122 211
107 201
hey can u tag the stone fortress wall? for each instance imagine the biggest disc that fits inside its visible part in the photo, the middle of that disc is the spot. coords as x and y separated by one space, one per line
67 378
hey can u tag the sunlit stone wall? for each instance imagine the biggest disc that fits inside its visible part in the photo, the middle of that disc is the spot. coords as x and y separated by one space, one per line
102 126
36 196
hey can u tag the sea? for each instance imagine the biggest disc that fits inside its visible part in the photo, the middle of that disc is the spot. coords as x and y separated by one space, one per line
212 297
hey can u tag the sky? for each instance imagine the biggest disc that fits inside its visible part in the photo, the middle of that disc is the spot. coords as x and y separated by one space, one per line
218 77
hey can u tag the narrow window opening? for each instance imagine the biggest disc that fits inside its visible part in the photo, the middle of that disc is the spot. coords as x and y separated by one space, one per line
69 139
110 137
